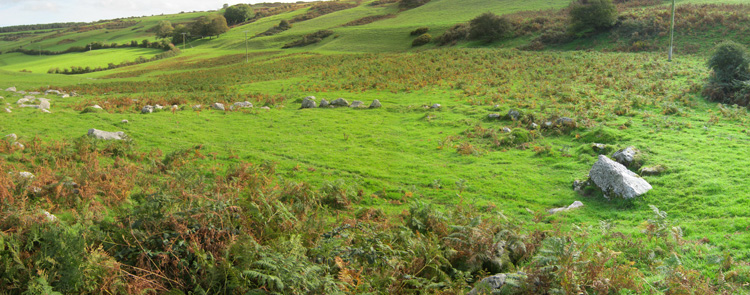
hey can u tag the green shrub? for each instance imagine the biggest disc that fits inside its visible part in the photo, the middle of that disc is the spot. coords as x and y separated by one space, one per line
456 33
591 16
421 40
490 27
408 4
728 83
419 31
309 39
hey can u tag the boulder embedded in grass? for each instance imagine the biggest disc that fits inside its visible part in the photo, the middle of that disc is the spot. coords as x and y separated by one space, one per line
653 170
243 104
627 156
324 103
357 104
147 109
340 102
576 204
375 104
615 179
11 89
309 103
218 106
106 135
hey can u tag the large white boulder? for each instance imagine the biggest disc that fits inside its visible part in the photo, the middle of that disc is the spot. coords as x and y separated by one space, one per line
614 179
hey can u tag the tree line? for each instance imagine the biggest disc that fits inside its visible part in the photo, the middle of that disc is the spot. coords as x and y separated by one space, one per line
207 26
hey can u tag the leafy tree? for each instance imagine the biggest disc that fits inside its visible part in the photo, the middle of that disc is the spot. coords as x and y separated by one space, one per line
164 29
489 27
177 37
238 13
590 16
210 25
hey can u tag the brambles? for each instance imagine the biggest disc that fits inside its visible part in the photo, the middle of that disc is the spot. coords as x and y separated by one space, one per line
409 4
421 40
419 31
456 33
592 16
282 26
368 19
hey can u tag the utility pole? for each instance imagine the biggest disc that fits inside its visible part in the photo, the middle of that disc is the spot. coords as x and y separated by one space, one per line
671 34
247 57
40 50
183 41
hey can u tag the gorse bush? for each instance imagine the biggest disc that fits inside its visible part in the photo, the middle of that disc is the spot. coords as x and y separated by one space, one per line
730 77
456 33
419 31
490 27
408 4
421 40
591 16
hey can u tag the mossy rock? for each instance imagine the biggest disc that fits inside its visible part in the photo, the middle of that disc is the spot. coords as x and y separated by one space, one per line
92 110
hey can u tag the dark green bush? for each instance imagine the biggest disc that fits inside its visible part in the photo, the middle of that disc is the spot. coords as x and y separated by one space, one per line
456 33
490 27
309 39
592 16
421 40
728 83
419 31
408 4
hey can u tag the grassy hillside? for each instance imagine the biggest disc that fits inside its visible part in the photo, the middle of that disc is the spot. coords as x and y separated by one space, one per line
402 199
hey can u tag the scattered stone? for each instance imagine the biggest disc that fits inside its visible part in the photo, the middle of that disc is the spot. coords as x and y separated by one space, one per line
26 175
124 121
493 116
243 104
46 111
147 109
12 137
7 110
218 106
17 145
626 156
96 106
357 104
324 103
435 106
506 130
533 126
35 93
547 124
614 179
175 107
106 135
49 216
513 115
653 170
566 122
375 104
340 102
576 204
74 94
44 104
21 92
308 103
197 107
11 89
265 108
22 100
158 107
64 96
51 91
578 185
489 284
599 146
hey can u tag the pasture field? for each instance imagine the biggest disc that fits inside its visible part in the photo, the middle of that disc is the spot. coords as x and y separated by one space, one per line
408 198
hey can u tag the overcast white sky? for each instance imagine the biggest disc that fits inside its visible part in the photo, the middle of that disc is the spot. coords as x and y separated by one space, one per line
26 12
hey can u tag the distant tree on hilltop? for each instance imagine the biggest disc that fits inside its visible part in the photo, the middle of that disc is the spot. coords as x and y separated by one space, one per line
238 13
210 25
164 29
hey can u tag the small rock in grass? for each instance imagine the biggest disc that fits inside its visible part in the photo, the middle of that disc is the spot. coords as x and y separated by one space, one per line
64 96
44 104
324 103
340 102
566 122
197 107
357 104
506 130
576 204
265 108
158 107
613 178
46 111
52 91
489 284
96 106
26 175
626 156
106 135
17 145
11 89
12 137
22 101
175 107
493 116
7 110
375 104
124 122
147 109
533 126
308 102
435 106
49 216
243 104
653 170
218 106
513 115
35 93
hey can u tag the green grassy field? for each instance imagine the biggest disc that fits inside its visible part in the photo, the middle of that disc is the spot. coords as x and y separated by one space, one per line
402 199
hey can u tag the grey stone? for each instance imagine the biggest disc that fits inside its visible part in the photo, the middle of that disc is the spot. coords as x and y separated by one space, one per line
488 284
310 97
578 185
125 121
265 108
44 104
493 116
576 204
35 93
435 106
106 135
614 179
11 89
308 103
175 107
357 104
25 175
17 145
340 102
21 92
506 130
547 124
52 91
218 106
599 146
197 107
626 156
324 103
22 100
653 170
12 137
565 122
375 104
64 96
7 110
513 115
147 109
533 126
96 106
46 111
243 104
158 107
49 216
